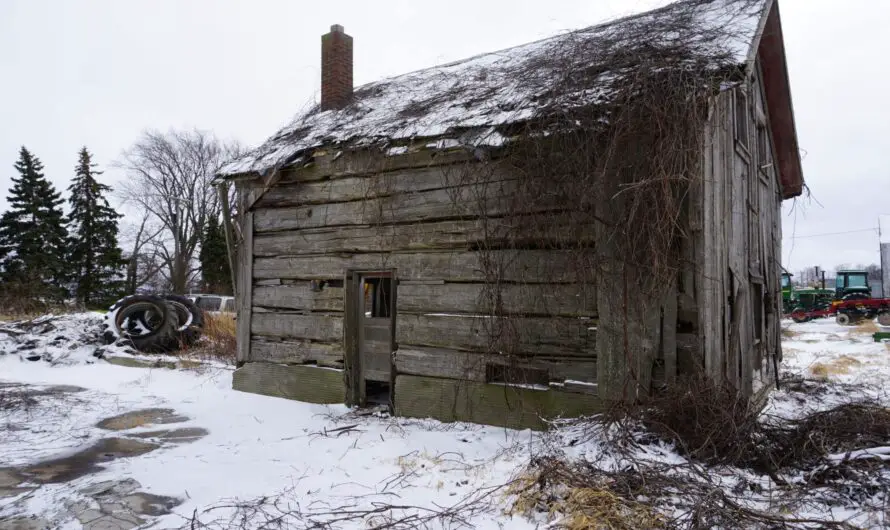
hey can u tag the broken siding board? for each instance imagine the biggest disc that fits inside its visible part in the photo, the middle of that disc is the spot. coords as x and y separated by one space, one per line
450 203
336 164
420 236
377 185
531 266
296 352
530 299
323 328
538 337
513 407
453 364
298 296
303 383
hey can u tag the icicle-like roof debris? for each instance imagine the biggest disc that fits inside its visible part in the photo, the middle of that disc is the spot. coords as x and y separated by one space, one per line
517 84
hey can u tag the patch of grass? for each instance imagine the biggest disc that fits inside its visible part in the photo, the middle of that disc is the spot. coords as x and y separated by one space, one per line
839 366
867 326
218 338
788 333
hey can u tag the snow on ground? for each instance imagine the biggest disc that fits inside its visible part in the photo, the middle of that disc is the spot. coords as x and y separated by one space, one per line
325 458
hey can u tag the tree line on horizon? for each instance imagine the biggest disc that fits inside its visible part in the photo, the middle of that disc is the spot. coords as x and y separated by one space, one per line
176 244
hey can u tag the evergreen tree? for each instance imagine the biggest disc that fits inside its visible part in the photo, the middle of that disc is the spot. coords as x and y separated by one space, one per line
94 259
32 235
214 258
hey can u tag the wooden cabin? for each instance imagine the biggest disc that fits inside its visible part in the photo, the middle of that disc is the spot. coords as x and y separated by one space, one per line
527 234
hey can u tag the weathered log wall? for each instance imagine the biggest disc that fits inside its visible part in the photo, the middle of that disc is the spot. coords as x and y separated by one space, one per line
738 283
448 227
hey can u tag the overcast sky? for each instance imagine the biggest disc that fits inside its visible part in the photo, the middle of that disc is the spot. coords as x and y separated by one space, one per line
98 72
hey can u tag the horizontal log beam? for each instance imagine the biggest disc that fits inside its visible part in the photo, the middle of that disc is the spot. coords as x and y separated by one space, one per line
439 235
520 336
323 328
268 349
532 266
298 296
453 364
377 185
527 299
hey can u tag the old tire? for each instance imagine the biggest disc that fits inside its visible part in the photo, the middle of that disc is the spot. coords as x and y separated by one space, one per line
146 322
190 318
843 319
884 318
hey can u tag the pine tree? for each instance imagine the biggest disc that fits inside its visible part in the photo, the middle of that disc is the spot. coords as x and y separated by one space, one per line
94 258
32 235
214 258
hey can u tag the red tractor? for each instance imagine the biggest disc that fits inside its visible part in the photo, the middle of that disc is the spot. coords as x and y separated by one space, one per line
852 302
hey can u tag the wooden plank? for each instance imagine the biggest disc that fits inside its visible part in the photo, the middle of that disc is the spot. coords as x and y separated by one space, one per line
453 364
384 184
296 352
526 266
527 299
513 407
355 384
336 163
461 202
304 383
244 290
298 296
539 337
423 236
317 327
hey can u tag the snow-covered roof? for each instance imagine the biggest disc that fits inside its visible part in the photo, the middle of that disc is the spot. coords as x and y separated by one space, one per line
514 85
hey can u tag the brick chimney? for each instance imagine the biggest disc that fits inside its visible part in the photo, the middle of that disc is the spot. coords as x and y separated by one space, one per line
336 69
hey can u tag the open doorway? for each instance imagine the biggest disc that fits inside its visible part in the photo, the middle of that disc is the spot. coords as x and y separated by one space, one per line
370 330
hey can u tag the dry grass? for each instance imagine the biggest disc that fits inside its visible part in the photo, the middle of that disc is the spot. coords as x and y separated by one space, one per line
867 326
788 333
839 366
584 501
217 339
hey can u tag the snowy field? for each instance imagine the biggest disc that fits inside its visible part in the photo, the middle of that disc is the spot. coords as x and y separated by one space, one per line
213 457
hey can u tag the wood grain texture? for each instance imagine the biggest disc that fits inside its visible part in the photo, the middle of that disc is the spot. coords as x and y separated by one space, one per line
319 327
296 352
525 299
303 383
518 408
244 290
539 337
298 296
453 364
531 266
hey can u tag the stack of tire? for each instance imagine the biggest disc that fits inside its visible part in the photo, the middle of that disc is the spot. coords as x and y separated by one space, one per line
153 323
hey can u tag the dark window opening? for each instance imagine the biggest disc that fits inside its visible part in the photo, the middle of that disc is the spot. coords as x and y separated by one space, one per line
229 306
338 284
763 150
378 297
741 116
377 393
517 375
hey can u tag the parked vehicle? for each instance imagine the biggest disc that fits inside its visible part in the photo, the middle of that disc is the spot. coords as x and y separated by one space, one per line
214 303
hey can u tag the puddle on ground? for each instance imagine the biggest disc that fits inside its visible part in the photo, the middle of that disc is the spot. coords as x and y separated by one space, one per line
120 505
184 435
11 483
140 418
87 461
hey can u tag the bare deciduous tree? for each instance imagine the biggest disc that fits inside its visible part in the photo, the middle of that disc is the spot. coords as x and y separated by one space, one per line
170 177
143 263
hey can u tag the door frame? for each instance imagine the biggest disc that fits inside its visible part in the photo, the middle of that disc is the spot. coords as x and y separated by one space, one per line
352 331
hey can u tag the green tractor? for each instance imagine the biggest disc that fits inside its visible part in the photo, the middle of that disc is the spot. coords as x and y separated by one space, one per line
852 285
787 293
